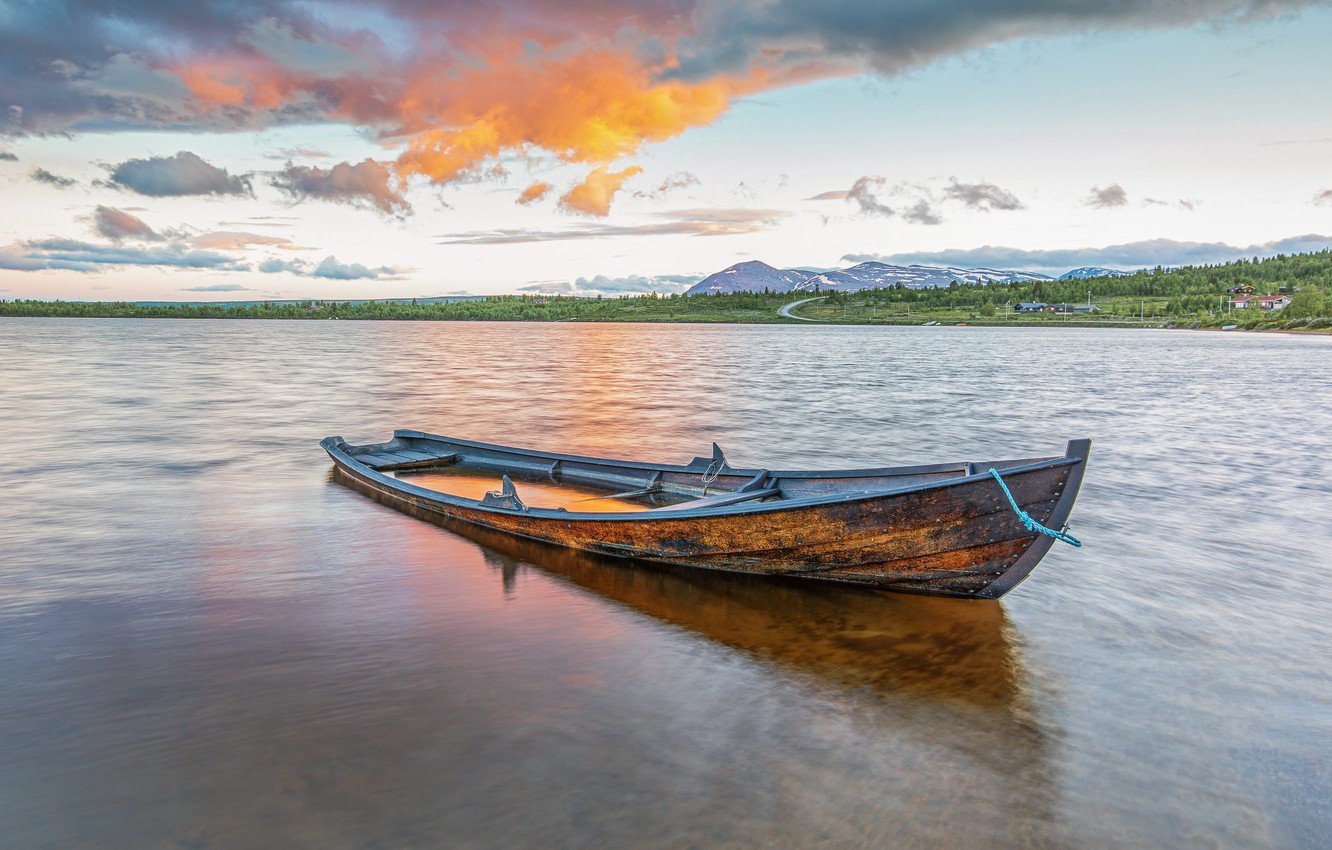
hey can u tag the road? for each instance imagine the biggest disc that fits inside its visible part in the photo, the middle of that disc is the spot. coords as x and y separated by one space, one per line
785 309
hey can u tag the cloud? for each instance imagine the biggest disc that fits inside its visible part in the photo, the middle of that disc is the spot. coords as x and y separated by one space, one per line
461 85
365 184
74 255
274 266
232 240
1183 203
6 156
864 193
183 174
41 175
117 225
604 285
534 193
1323 198
1111 196
982 196
300 153
921 213
679 180
218 287
330 268
834 195
695 222
1130 255
593 196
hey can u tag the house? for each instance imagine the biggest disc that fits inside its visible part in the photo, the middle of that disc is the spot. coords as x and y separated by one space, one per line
1241 302
1273 302
1242 289
1029 307
1071 308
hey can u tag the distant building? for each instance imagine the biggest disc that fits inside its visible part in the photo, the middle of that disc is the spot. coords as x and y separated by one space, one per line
1241 302
1071 308
1030 307
1242 289
1273 302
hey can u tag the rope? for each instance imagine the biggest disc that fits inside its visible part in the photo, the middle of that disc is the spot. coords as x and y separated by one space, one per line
710 474
1031 524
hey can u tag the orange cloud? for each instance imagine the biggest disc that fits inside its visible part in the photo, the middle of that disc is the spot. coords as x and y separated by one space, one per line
593 196
534 193
587 108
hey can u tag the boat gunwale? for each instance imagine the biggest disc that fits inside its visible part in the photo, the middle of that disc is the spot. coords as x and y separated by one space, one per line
727 469
333 446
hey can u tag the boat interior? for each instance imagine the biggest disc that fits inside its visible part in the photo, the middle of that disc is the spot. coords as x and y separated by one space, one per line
503 477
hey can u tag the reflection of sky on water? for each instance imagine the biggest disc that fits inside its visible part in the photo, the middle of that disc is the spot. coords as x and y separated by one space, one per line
205 641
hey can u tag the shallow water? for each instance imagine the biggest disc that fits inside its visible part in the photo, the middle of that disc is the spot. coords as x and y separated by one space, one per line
205 642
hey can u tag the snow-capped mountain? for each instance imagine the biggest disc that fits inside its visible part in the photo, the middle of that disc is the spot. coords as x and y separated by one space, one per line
749 276
1092 271
875 275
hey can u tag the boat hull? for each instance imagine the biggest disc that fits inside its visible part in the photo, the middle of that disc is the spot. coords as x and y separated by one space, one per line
958 537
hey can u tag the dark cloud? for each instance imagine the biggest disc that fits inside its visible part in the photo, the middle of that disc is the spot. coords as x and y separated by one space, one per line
183 174
6 156
118 224
1111 196
1131 255
921 213
698 222
366 184
41 175
982 196
74 255
729 36
865 194
1323 198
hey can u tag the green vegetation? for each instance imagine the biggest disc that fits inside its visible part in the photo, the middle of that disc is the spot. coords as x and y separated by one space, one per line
1195 296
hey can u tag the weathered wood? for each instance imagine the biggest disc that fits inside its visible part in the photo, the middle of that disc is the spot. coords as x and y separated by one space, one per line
947 530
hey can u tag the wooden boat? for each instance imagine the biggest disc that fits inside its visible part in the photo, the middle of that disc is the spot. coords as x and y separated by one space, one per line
946 529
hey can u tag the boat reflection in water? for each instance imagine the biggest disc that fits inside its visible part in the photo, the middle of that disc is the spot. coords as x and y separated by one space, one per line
853 700
888 642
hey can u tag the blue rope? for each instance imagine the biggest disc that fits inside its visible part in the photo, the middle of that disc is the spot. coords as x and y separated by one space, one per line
1031 524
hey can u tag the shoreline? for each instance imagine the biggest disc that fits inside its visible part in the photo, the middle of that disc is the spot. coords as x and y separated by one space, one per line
791 321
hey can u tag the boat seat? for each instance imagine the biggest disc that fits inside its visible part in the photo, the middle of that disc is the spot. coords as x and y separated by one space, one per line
722 499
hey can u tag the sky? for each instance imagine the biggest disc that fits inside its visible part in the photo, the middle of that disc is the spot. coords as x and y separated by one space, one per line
157 150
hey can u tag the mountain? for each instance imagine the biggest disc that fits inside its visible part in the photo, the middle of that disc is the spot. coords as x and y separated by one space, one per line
749 276
875 275
1092 271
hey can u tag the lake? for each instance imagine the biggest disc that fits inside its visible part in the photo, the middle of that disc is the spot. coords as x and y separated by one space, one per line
206 642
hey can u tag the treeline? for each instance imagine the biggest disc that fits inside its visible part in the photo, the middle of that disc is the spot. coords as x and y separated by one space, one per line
742 307
1193 294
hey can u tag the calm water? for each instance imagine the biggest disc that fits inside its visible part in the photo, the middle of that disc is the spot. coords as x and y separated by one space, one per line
204 642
